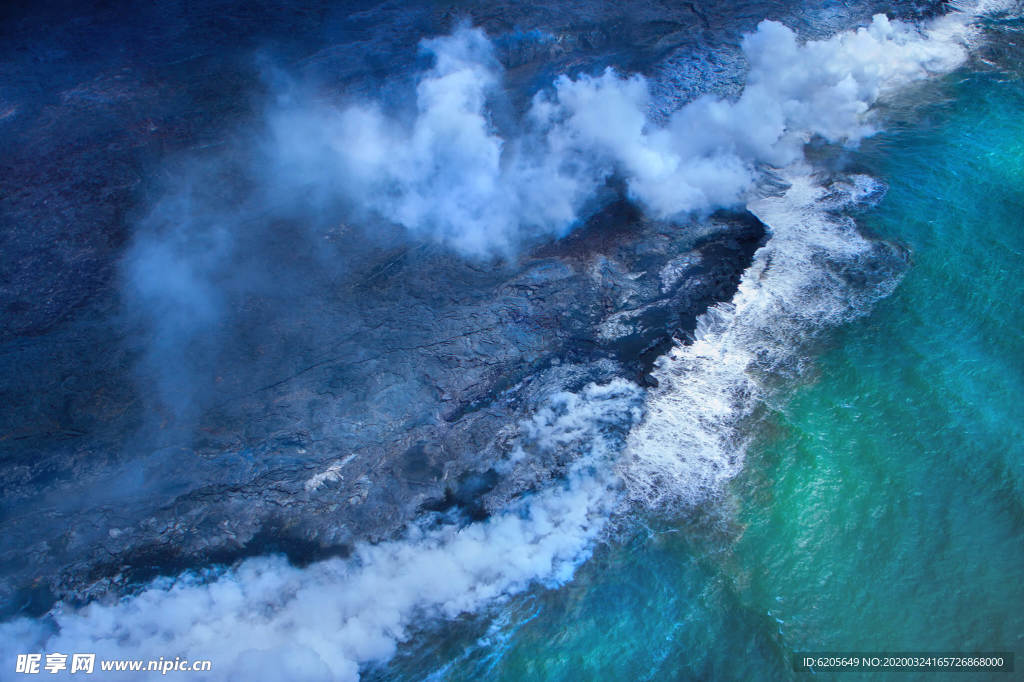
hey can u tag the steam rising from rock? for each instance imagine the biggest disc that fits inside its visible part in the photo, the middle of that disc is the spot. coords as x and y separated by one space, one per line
268 621
445 171
449 174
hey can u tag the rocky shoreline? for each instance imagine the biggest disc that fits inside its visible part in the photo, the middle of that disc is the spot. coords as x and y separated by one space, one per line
394 385
403 416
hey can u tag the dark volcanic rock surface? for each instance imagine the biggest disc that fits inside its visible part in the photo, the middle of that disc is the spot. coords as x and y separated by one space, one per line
409 406
353 399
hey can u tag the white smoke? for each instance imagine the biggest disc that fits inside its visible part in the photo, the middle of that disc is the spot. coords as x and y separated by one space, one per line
447 175
705 156
267 620
450 175
692 440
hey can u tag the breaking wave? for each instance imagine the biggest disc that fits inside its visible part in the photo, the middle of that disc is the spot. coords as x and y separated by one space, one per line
815 271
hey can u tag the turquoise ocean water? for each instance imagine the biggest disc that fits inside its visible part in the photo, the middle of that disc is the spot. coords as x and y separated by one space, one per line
881 506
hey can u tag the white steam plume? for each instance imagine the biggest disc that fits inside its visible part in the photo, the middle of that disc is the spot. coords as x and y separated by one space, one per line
267 621
705 156
450 175
692 439
446 175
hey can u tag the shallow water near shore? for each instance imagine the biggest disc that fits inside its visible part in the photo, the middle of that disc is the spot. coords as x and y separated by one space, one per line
881 505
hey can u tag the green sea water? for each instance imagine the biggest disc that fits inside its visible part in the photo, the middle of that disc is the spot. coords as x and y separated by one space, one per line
881 507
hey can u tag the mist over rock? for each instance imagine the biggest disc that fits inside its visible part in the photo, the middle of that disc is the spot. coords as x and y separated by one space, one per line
218 344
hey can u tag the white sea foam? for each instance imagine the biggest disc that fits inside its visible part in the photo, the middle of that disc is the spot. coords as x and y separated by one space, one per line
450 175
691 441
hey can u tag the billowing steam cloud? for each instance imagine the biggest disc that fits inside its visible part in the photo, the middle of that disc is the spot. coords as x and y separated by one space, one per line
451 175
267 621
447 174
446 171
705 156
